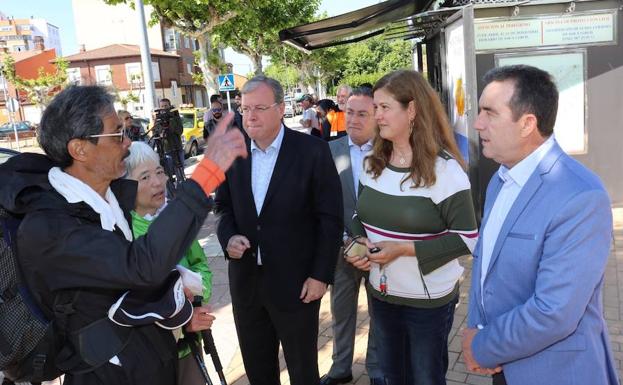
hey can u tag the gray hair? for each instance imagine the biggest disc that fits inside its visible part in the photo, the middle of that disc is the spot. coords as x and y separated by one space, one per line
140 152
76 112
256 81
346 87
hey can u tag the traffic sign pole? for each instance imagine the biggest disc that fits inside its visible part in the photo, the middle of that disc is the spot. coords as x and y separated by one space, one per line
228 102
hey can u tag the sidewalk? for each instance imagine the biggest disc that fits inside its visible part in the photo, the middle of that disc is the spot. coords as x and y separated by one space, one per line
227 343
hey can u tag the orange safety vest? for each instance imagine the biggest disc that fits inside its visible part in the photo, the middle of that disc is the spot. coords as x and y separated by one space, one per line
337 120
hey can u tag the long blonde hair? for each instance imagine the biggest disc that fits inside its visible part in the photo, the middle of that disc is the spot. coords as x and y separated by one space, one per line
430 130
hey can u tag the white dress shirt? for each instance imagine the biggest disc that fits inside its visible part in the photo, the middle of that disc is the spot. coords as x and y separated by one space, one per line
357 153
262 166
514 179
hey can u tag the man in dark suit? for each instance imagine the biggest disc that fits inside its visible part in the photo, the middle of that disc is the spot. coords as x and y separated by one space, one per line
348 154
280 224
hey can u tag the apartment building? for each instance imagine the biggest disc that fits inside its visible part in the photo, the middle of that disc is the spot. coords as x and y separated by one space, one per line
19 35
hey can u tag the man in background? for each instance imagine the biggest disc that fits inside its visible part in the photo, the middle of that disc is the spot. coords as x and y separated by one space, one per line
348 153
338 124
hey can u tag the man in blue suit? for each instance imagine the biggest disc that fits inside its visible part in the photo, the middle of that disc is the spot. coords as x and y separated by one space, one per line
535 307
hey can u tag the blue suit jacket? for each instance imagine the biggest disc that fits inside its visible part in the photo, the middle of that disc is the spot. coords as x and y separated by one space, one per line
542 295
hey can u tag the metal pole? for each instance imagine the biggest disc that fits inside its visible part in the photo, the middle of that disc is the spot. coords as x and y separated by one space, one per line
148 77
228 102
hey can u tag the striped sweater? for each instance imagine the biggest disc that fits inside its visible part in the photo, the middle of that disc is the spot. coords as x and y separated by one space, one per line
439 219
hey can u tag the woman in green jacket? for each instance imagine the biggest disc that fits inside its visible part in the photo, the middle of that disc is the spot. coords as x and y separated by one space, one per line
143 166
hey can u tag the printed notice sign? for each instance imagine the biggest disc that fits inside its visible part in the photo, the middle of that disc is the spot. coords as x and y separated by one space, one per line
567 68
544 31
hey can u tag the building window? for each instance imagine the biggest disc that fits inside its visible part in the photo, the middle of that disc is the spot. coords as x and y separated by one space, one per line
102 75
25 27
19 48
155 69
186 42
6 28
189 68
73 76
134 74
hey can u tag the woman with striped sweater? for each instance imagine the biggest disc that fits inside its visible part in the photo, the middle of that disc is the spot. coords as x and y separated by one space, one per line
415 214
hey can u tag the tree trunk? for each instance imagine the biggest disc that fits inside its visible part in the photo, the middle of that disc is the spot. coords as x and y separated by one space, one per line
257 64
209 78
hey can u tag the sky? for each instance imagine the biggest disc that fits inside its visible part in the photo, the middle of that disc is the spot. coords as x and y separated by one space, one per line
59 13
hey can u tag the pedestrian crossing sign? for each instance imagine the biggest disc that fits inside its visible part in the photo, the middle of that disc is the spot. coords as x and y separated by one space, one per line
226 82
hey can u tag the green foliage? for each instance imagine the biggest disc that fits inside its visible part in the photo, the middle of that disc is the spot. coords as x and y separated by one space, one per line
194 17
41 89
353 64
377 55
356 80
255 31
288 76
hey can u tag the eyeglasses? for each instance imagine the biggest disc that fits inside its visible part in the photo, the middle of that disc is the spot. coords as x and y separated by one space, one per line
260 109
216 109
121 134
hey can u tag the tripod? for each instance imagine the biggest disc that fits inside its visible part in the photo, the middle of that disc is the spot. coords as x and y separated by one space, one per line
169 160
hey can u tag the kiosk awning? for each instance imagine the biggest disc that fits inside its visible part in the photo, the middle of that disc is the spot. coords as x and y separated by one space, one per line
351 27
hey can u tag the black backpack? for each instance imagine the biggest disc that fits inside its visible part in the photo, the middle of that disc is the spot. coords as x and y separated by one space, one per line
29 341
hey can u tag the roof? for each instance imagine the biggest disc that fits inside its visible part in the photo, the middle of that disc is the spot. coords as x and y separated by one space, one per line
351 27
115 51
23 55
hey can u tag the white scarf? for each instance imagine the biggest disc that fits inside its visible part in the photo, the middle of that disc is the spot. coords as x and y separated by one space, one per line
74 190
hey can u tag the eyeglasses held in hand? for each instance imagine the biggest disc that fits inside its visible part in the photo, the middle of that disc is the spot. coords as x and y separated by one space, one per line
258 109
121 134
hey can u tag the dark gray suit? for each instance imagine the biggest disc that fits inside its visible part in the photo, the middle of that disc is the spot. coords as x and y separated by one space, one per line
345 289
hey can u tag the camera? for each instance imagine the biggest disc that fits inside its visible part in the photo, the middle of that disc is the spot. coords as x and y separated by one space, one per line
164 115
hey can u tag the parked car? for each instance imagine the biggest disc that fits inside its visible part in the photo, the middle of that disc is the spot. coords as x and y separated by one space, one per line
6 153
192 121
290 110
24 128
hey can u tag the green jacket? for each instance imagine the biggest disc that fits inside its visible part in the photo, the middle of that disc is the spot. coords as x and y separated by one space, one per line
194 260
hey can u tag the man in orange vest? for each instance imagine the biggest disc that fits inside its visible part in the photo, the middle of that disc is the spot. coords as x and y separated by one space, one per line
338 120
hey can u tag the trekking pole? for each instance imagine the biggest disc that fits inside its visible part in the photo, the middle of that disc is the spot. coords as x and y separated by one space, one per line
210 348
191 339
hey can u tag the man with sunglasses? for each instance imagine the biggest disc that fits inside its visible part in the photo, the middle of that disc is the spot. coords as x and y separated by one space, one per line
75 239
215 118
280 224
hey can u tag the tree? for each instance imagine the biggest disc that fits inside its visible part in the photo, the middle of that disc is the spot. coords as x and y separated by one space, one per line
377 55
197 19
255 31
41 89
287 75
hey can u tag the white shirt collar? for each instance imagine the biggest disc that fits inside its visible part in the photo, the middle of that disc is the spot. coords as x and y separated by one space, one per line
365 146
276 144
521 172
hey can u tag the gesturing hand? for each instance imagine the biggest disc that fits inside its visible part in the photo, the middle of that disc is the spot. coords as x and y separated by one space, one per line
225 146
237 245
